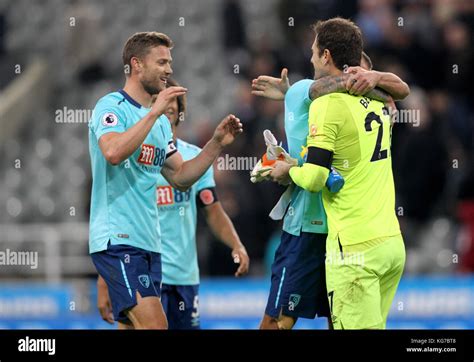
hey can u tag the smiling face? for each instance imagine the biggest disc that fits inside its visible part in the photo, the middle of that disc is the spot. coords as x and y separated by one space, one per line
154 69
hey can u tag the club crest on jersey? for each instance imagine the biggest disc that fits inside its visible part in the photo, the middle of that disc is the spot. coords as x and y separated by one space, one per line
294 300
144 280
109 119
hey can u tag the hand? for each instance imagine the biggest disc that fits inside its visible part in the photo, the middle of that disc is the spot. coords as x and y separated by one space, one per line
239 254
281 172
271 87
226 132
165 97
361 81
103 301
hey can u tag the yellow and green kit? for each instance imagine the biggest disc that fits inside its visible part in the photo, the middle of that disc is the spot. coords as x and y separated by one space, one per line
365 254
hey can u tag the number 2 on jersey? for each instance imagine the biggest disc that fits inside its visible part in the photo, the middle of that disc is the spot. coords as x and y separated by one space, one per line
378 154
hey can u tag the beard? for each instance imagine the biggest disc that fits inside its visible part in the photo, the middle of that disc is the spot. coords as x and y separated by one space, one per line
152 88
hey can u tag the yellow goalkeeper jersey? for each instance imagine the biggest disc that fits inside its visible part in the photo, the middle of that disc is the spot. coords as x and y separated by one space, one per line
358 131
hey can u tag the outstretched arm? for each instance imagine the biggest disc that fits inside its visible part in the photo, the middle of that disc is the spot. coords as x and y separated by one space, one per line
183 174
223 229
361 81
338 84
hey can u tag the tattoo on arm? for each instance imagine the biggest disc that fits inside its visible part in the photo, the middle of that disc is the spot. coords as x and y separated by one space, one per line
326 85
379 95
337 84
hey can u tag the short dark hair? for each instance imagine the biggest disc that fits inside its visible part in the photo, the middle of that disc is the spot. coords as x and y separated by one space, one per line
182 101
139 44
342 38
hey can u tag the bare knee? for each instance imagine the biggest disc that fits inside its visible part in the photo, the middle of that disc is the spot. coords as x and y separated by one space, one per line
268 322
282 322
285 322
148 314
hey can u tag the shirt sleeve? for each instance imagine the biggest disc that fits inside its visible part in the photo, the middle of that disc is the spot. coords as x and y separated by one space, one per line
326 115
297 96
107 118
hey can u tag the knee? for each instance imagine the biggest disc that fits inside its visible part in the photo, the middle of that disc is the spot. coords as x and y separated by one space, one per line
269 323
285 322
282 322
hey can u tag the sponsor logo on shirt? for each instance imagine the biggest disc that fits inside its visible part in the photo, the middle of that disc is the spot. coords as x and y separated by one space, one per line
166 195
151 155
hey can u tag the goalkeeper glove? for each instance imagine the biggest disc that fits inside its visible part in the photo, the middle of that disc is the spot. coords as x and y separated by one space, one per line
275 152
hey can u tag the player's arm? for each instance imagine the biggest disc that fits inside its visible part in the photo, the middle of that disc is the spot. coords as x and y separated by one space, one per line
103 301
118 146
183 174
276 88
271 87
362 81
339 84
325 115
224 230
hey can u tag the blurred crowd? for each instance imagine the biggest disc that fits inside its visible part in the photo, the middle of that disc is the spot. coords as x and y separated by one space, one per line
429 44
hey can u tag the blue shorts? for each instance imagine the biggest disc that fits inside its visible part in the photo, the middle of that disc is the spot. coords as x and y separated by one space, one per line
181 306
298 284
128 270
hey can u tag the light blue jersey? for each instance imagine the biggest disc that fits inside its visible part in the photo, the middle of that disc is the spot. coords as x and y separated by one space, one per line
305 212
178 219
123 200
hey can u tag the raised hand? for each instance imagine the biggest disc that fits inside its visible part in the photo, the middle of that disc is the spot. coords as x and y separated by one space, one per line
165 97
226 132
271 87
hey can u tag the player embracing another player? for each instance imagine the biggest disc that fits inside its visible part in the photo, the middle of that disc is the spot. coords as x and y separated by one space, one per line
365 253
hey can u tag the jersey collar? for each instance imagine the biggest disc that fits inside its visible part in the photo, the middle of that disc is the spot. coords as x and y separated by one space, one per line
130 99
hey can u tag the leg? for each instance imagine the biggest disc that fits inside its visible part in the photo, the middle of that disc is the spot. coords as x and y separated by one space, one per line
282 322
298 285
353 288
125 324
147 313
268 322
188 296
389 281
